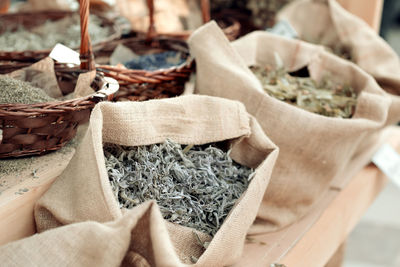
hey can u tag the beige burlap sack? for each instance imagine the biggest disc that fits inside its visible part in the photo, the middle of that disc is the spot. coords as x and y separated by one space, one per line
327 23
313 148
83 191
96 244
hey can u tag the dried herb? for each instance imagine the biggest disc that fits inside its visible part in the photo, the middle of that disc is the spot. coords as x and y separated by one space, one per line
16 91
324 98
195 186
162 60
65 31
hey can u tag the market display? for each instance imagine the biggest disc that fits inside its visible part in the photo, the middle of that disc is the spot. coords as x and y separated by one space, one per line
190 146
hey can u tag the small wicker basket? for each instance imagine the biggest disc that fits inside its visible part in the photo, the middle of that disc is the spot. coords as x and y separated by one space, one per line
34 129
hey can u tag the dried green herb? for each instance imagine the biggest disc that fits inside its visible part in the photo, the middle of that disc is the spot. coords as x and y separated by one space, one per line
324 98
15 91
65 31
195 186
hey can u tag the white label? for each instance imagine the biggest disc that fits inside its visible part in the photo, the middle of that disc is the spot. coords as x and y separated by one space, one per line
110 87
64 54
284 28
388 161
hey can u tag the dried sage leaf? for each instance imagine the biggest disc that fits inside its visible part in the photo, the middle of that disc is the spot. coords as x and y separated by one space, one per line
195 186
325 98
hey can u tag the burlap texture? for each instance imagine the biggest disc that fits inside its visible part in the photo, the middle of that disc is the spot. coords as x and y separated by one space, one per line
83 191
313 149
327 22
97 244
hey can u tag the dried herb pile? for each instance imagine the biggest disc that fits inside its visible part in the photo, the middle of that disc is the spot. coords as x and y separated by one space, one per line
324 98
14 91
195 186
65 31
157 61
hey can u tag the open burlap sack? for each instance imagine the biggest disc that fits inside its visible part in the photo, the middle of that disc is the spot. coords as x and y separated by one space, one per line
326 22
83 191
313 149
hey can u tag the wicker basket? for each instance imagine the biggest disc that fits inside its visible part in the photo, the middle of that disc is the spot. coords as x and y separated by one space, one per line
34 129
139 85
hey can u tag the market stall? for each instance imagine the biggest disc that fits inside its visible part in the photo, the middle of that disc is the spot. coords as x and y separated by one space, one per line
309 235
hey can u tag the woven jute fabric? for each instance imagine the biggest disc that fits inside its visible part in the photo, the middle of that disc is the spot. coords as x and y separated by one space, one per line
313 149
332 24
83 192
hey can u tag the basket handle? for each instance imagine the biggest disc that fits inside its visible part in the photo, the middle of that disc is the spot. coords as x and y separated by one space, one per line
151 33
86 53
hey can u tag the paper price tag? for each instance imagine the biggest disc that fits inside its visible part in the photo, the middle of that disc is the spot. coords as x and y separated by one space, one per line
388 161
284 28
64 54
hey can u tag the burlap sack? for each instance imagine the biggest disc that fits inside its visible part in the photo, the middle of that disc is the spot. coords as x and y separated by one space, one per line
328 23
96 244
83 191
313 148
